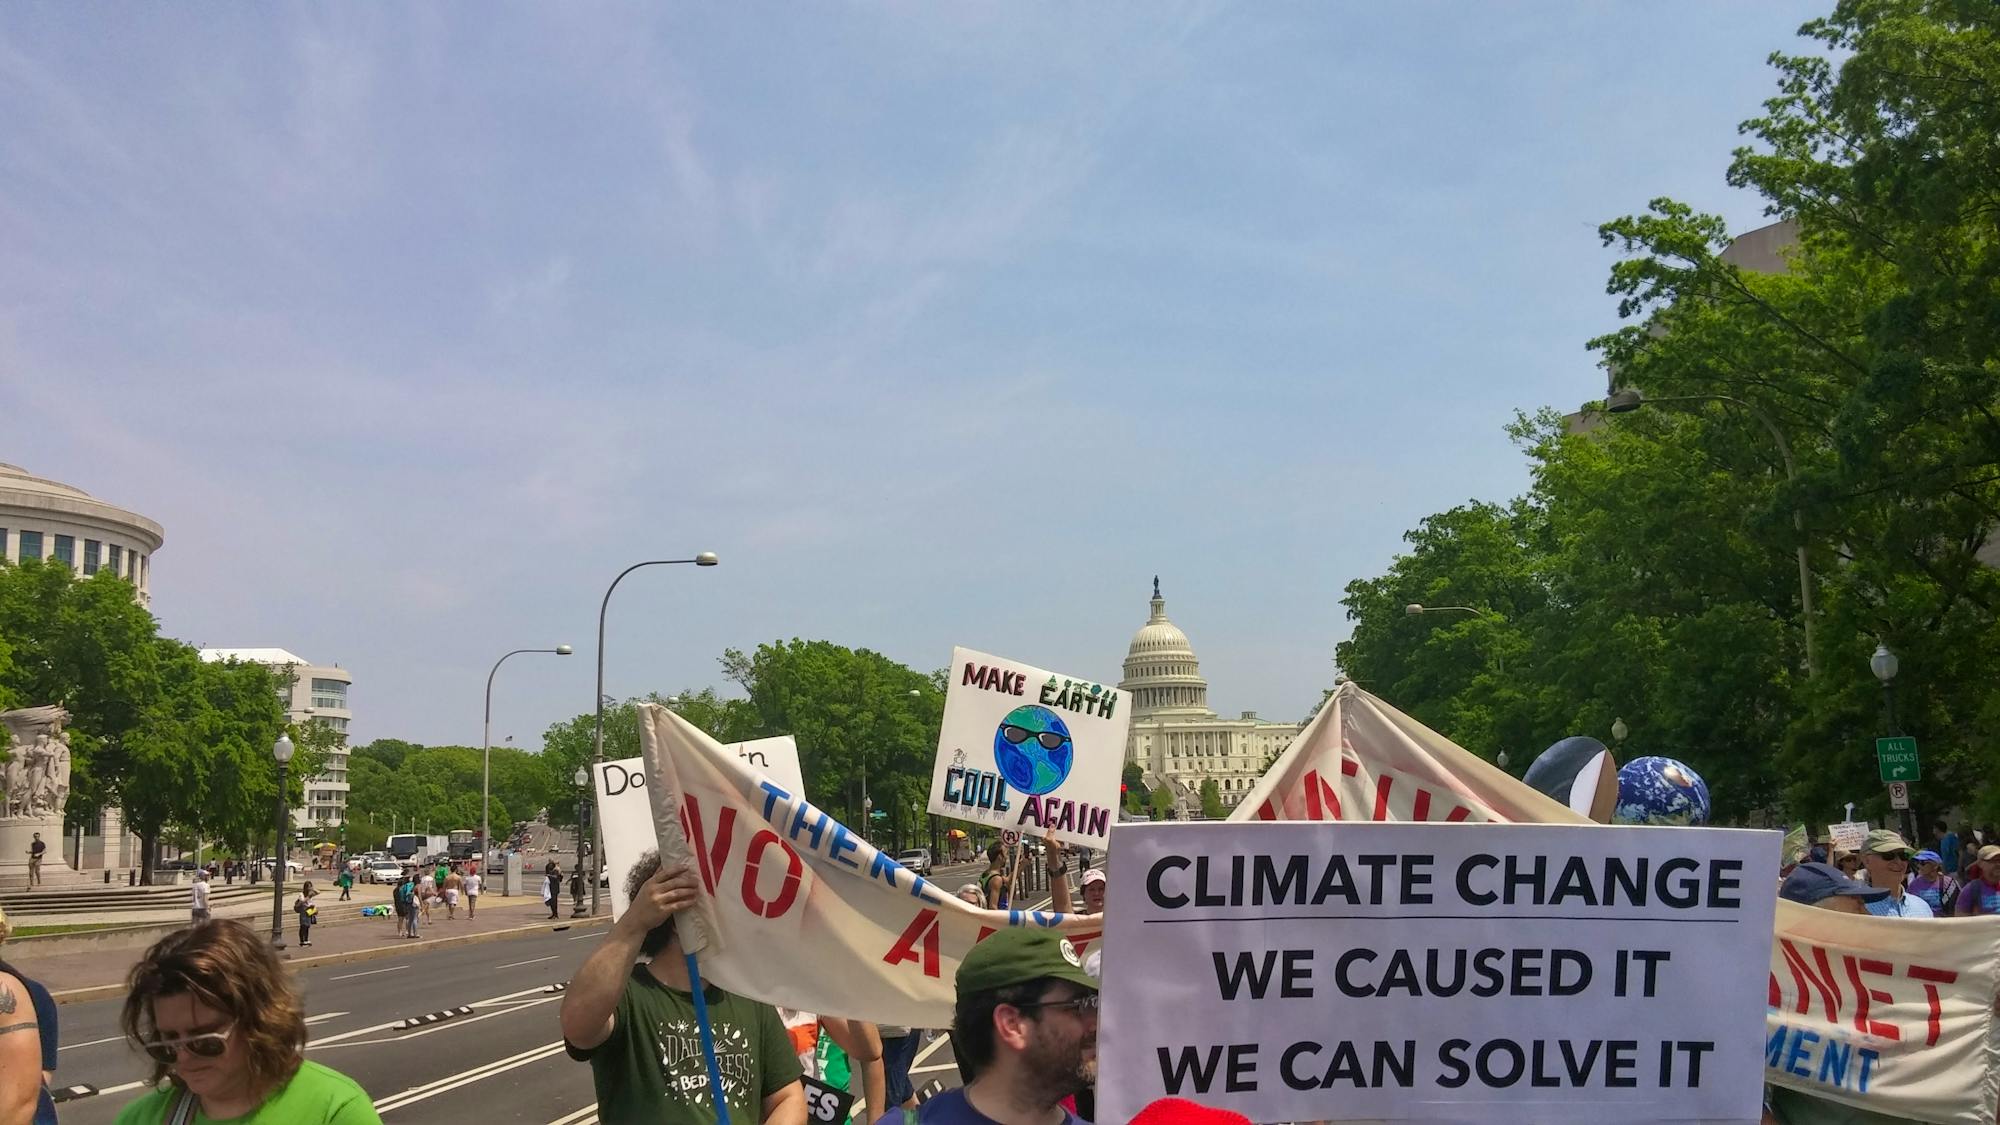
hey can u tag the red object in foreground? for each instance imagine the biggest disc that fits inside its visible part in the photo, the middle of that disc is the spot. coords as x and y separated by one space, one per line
1180 1111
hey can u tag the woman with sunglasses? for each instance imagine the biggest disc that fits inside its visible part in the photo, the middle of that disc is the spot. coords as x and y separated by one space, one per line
226 1032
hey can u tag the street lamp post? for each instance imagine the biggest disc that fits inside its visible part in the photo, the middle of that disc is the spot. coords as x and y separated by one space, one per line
706 558
486 754
1885 666
1418 609
282 751
1618 732
1630 399
582 780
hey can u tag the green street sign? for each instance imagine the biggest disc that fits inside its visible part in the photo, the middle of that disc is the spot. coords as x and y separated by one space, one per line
1897 759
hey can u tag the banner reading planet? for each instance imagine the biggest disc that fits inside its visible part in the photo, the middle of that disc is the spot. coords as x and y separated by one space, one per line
1029 749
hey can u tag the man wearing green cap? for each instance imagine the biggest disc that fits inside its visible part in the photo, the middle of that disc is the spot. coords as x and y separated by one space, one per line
1025 1029
1886 858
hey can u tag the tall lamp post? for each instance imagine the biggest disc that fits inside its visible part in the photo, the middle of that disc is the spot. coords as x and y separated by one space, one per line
1885 666
706 558
282 751
1630 399
582 779
486 753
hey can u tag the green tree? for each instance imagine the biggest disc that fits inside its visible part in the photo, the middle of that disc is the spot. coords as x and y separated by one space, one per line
1211 800
1133 778
1162 801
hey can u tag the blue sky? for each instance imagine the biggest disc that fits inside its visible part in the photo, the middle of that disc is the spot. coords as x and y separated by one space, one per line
941 324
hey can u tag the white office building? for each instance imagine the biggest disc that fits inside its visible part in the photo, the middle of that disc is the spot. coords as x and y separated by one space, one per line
317 693
1175 737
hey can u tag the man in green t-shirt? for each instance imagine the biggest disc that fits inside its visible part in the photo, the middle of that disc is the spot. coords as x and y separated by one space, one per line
635 1023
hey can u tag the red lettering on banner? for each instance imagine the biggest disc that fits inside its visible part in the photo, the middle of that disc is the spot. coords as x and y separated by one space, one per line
1422 811
1802 975
1382 784
788 891
1932 978
1322 803
924 928
1458 814
1863 994
708 855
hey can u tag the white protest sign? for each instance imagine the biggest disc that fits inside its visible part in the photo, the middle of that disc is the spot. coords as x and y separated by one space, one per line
1493 973
628 818
1848 835
1025 748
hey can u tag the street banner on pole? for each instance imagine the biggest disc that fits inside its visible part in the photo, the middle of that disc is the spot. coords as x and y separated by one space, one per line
1935 1058
803 911
1025 748
1388 972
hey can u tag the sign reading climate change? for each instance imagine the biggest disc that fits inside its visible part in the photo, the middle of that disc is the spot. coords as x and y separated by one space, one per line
1498 973
1028 749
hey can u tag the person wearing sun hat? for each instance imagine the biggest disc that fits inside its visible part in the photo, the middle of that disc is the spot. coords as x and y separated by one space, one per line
1981 893
1886 857
1825 886
1931 884
1024 1028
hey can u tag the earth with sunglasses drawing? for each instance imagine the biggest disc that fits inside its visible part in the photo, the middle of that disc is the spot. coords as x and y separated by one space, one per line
1032 749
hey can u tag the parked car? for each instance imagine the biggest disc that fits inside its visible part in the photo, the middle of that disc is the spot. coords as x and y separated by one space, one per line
292 866
382 871
917 860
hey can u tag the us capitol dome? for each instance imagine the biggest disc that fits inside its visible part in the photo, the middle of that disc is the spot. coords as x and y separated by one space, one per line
1175 737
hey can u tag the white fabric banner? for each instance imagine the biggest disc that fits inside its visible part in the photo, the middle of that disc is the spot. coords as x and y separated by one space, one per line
1936 1055
1026 749
801 911
1390 972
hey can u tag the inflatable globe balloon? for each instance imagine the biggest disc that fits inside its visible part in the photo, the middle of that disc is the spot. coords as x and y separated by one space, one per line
1579 772
1660 791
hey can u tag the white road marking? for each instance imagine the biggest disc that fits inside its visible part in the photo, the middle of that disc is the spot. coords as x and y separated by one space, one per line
584 937
369 973
518 964
431 1028
323 1017
927 1050
933 1068
121 1089
585 1116
92 1043
360 1031
451 1082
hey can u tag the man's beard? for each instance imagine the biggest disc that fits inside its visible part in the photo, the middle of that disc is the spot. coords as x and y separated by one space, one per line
1058 1064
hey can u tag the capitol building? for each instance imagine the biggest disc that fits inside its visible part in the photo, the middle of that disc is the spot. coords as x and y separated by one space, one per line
1175 738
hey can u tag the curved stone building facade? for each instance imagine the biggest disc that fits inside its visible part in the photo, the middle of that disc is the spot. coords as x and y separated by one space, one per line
1175 736
46 519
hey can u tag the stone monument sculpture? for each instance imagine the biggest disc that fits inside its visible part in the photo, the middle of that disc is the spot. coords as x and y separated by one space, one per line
34 786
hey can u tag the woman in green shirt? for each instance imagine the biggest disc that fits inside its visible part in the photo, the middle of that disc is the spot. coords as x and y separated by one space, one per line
226 1031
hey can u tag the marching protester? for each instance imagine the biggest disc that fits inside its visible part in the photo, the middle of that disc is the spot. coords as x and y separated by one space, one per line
427 892
198 898
1025 1028
1937 889
618 1011
1981 893
1887 858
307 910
472 893
993 881
27 1044
972 895
225 1027
552 886
453 883
345 881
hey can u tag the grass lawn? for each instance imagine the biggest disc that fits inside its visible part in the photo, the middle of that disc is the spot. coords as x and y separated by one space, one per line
35 931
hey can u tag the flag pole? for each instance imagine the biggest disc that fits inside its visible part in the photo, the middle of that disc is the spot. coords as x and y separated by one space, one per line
715 1093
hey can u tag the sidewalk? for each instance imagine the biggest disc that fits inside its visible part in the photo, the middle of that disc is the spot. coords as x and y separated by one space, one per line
333 941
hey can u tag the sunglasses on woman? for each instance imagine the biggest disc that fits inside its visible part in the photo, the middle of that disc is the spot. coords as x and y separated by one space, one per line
207 1045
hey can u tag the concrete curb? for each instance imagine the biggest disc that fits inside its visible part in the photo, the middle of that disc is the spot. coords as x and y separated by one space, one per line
352 956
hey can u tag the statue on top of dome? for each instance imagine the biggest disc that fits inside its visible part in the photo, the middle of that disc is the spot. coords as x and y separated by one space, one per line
1156 585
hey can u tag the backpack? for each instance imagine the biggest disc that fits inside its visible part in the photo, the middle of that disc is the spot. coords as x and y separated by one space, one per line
405 894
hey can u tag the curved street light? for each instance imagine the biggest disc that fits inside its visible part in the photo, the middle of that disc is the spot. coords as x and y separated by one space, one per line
706 558
486 753
1629 399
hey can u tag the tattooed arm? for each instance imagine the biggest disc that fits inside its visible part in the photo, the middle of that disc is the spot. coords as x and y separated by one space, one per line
20 1054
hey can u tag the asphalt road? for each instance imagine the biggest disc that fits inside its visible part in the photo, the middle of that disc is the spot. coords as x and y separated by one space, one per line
501 1063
